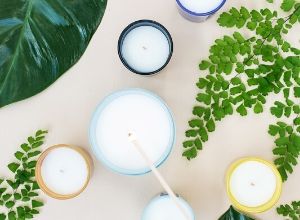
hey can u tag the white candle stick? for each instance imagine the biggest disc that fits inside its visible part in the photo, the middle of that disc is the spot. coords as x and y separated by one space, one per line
133 139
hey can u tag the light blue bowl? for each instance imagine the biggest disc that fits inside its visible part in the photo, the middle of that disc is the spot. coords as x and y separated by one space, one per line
166 196
97 149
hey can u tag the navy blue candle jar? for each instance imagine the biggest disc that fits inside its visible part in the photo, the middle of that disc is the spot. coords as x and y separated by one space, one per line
145 47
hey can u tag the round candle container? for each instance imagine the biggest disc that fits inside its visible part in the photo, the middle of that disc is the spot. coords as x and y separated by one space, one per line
63 171
145 47
253 185
199 10
138 111
163 207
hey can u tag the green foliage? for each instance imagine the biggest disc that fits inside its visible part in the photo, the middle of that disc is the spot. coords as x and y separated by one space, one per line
287 148
287 5
19 195
292 211
242 72
41 40
232 214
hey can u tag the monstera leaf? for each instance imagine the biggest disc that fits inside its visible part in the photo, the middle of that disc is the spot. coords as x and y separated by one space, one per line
232 214
40 40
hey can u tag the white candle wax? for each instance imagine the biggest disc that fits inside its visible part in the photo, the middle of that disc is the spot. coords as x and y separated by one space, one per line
64 171
163 208
145 49
199 10
132 111
201 6
253 183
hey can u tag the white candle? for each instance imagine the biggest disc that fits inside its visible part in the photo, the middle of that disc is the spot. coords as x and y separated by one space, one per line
254 183
163 208
145 47
199 10
63 171
124 112
133 139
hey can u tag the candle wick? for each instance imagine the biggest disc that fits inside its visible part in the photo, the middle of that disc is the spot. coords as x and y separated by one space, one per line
145 48
62 171
252 184
131 136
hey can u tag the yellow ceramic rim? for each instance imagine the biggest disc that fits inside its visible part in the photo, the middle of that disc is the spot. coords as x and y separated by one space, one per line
261 208
42 184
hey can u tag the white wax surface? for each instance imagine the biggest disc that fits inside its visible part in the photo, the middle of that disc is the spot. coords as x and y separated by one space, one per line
201 6
145 49
146 118
163 208
64 171
253 183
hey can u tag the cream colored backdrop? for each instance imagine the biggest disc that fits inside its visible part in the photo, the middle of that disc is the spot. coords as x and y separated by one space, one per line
65 109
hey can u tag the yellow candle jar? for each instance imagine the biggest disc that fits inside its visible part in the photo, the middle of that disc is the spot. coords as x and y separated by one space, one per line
63 171
253 185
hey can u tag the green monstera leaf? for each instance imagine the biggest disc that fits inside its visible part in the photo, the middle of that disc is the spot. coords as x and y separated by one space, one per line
40 40
232 214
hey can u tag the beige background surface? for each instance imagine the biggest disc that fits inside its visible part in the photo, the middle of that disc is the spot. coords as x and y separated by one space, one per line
66 108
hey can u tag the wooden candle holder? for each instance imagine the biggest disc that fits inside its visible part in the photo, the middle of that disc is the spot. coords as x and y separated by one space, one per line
41 182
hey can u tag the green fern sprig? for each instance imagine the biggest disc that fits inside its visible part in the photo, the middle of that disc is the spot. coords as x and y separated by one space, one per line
242 72
292 211
19 195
